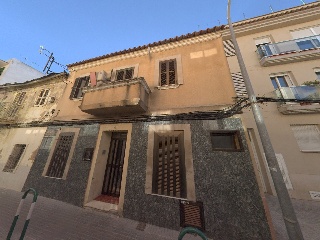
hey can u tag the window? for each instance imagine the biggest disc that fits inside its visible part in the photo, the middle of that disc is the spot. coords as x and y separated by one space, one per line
60 155
279 81
264 46
168 72
41 100
18 100
308 137
78 86
124 74
169 171
226 141
318 74
14 157
168 164
307 38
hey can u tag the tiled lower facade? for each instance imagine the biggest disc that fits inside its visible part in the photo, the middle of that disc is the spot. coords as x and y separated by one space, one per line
223 181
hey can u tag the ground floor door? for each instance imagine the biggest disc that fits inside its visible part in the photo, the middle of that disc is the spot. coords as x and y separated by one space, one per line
114 168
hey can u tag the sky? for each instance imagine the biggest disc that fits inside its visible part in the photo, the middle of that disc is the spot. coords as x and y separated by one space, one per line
78 30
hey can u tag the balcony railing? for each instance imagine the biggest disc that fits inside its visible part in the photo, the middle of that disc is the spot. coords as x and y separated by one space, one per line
311 95
115 98
298 93
295 45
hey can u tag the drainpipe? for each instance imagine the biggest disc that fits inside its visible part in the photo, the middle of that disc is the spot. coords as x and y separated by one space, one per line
289 216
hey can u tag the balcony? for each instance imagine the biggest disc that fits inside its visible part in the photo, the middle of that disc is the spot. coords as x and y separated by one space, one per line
116 98
297 95
296 50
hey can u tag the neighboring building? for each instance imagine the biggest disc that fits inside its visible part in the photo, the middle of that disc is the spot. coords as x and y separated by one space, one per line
14 71
142 133
24 110
281 51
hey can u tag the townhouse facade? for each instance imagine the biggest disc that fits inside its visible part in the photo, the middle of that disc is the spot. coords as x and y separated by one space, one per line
142 133
281 51
24 110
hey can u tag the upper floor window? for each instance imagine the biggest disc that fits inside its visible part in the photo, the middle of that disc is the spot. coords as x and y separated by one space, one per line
168 72
124 74
17 102
226 141
41 100
279 81
78 86
317 72
307 38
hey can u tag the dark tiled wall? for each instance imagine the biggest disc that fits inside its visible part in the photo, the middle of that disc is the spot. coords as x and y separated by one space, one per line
71 190
224 181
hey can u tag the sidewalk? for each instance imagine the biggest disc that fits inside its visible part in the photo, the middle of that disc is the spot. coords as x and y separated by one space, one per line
55 220
308 214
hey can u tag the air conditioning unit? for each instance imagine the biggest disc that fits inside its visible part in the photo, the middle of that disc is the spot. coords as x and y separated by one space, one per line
101 76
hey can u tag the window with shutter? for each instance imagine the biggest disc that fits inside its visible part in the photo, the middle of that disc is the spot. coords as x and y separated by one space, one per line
168 72
308 137
60 155
41 100
169 165
17 102
124 74
78 86
14 157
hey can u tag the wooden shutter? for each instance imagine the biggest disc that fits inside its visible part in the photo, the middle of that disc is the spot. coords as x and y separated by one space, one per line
169 164
75 88
60 155
168 72
14 157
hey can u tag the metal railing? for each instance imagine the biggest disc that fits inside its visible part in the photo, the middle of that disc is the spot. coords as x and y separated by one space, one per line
297 93
290 46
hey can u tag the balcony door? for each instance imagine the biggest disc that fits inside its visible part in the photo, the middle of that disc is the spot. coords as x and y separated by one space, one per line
114 168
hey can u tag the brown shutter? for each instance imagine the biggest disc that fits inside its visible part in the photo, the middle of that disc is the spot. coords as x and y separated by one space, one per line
168 169
14 157
60 155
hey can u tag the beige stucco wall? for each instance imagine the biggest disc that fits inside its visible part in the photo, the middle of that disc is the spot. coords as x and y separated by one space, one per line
27 111
303 168
32 137
206 80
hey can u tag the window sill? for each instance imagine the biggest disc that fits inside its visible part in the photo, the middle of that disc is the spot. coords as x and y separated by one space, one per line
153 194
310 151
173 86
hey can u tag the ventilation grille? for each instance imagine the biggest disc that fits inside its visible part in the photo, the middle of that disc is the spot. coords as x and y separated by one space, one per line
229 48
239 83
192 215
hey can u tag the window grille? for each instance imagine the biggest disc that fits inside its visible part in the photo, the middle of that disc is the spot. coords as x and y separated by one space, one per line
169 164
17 102
192 215
14 157
42 97
168 72
60 155
124 74
78 86
226 141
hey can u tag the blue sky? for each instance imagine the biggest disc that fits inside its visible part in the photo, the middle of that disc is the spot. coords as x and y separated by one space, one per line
78 30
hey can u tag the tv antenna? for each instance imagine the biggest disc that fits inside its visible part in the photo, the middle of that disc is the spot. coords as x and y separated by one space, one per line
50 60
271 8
303 2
